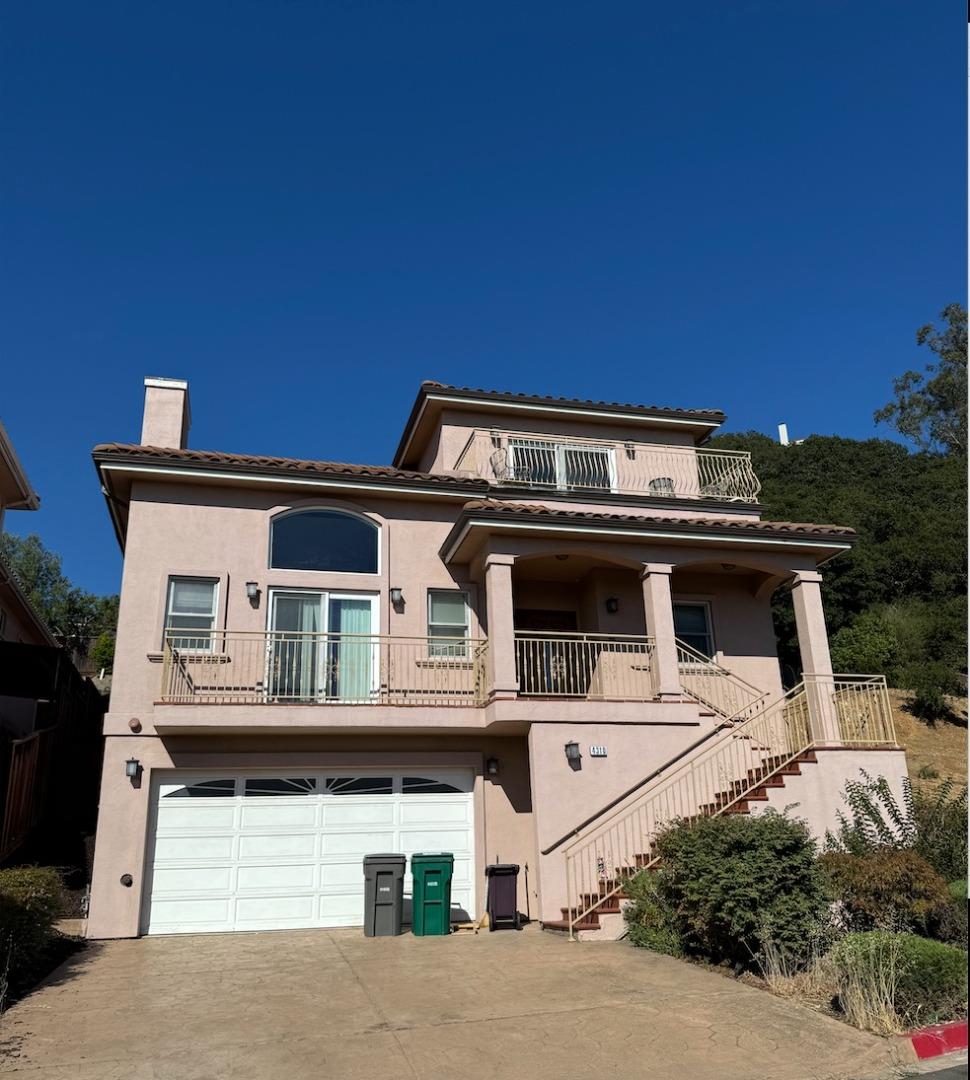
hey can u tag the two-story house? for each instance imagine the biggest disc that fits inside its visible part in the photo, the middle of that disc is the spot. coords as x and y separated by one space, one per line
540 634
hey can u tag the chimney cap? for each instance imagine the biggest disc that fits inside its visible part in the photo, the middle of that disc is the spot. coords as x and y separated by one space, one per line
166 384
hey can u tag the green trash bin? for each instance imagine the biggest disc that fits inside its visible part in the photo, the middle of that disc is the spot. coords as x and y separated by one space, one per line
431 894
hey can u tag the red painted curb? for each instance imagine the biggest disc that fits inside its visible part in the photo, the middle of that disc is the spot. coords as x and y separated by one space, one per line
939 1039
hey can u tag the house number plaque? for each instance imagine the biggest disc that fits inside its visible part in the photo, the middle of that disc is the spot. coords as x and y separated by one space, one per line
597 751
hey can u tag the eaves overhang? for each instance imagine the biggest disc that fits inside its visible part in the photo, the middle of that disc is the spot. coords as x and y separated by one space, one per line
478 522
432 397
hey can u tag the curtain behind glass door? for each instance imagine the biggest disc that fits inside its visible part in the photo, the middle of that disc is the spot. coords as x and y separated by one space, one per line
295 647
350 649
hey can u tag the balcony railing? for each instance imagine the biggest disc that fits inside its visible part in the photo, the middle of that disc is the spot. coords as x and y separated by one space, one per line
289 668
560 464
597 667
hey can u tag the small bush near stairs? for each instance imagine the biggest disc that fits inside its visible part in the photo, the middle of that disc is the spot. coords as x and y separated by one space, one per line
728 886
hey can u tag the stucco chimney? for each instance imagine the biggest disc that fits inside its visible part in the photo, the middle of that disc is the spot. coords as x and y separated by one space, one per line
167 415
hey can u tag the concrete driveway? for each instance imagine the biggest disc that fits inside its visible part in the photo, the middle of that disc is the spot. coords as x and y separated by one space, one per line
502 1006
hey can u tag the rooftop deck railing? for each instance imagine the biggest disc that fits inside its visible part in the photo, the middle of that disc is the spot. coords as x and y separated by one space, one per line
291 668
566 464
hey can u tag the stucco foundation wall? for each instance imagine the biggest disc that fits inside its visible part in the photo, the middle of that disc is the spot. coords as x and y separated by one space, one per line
818 795
504 830
563 797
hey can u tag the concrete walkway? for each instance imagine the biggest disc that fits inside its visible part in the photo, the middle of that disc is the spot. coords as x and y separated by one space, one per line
333 1004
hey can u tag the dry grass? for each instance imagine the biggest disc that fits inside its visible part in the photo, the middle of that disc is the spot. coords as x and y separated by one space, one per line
939 748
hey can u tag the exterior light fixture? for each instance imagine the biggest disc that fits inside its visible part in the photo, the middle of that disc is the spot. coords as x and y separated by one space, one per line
491 766
572 751
252 592
397 598
132 768
612 605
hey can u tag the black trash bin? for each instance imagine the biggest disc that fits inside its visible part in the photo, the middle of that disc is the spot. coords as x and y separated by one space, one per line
383 894
502 903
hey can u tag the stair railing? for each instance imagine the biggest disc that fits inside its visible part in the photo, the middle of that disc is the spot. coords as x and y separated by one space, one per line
719 776
714 686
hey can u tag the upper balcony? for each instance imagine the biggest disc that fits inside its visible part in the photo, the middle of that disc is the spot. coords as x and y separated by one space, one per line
554 463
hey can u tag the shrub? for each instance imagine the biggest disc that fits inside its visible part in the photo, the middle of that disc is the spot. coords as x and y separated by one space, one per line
733 882
888 981
885 889
30 903
933 824
648 919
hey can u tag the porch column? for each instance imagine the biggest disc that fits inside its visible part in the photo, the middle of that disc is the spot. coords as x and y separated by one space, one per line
501 626
813 646
659 611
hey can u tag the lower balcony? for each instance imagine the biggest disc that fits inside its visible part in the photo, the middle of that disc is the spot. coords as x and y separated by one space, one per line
292 668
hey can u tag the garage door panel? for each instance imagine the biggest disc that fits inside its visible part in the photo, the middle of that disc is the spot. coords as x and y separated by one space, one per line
197 814
351 811
188 916
272 845
276 877
173 848
415 812
227 858
340 843
272 814
274 912
193 879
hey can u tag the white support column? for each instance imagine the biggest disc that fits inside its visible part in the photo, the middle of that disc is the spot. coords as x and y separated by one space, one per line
501 625
659 611
813 646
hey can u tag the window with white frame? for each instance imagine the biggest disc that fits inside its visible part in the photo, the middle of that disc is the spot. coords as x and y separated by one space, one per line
692 624
448 622
190 615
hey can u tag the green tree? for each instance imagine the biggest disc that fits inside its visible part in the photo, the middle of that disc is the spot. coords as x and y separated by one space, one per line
74 616
931 406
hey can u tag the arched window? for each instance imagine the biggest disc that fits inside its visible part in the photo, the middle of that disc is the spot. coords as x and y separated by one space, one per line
323 540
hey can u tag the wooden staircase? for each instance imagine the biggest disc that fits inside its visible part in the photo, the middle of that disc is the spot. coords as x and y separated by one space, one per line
736 798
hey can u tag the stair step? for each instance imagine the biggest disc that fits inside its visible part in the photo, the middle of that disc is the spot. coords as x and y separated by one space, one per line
563 925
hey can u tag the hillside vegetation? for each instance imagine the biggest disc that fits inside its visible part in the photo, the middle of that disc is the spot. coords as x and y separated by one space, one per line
897 603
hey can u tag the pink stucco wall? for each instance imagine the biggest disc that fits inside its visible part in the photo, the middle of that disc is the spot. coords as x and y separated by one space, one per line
818 794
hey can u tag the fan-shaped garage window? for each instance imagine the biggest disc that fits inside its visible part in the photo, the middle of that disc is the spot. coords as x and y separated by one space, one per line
324 540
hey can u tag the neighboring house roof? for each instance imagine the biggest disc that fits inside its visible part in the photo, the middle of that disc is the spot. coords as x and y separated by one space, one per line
482 512
699 421
16 491
9 582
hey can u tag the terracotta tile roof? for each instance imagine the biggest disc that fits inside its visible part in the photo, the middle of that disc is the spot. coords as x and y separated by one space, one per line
508 395
785 528
279 464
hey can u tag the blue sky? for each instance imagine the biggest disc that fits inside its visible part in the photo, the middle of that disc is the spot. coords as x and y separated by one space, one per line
306 207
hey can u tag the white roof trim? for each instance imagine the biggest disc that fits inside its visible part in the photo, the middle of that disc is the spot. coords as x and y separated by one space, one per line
8 456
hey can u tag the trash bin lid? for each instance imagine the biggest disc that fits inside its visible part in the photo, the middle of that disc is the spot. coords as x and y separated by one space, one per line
390 858
432 856
501 869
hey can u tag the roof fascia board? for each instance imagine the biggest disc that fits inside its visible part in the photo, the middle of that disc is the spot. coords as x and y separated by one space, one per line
189 472
633 532
29 499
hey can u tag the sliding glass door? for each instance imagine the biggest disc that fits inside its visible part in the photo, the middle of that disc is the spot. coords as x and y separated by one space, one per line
323 646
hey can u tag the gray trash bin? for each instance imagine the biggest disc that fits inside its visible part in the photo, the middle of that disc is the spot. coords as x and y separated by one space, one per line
383 894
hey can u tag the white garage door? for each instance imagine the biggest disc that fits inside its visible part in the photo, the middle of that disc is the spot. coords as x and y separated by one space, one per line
271 852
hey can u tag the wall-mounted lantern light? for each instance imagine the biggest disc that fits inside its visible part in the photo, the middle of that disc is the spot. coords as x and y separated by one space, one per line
491 766
572 751
252 592
612 605
132 768
397 599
